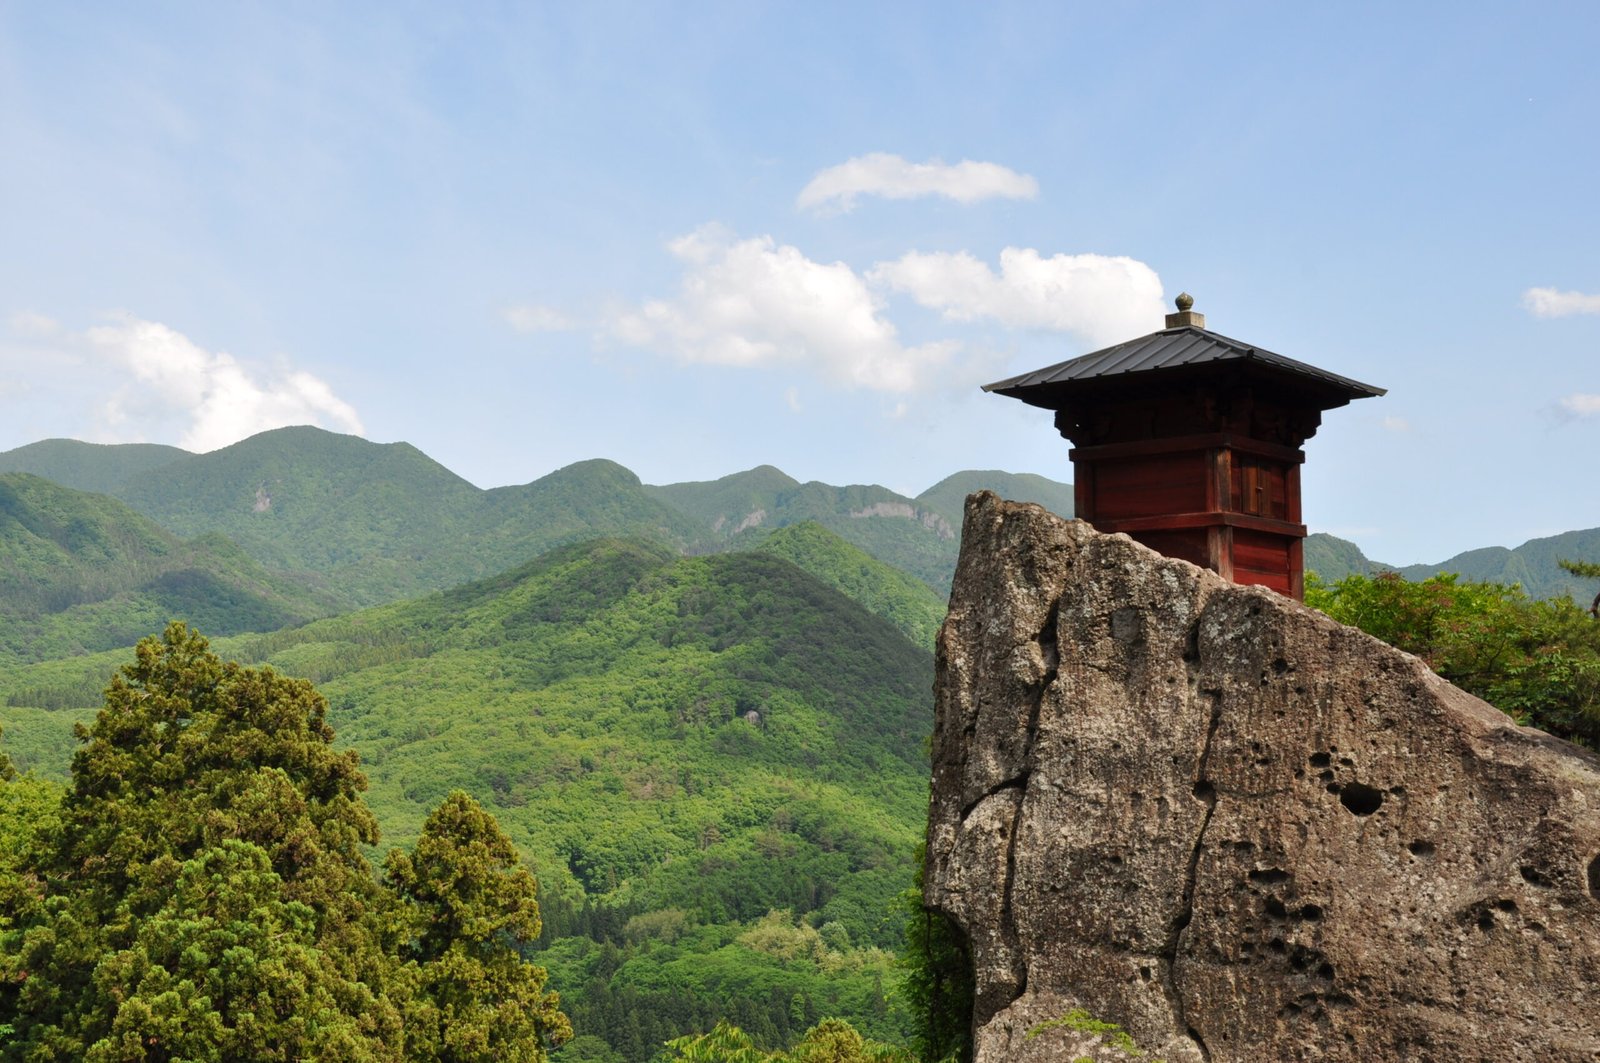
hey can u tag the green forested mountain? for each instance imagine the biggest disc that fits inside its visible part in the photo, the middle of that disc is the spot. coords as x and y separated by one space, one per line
359 522
883 590
732 504
948 497
713 763
81 572
744 506
98 467
371 522
363 523
1534 564
1333 558
582 501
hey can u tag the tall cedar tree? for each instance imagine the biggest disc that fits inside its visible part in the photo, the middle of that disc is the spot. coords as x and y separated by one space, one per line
205 896
472 909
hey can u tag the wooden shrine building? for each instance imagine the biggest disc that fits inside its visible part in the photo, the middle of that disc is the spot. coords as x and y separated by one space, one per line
1190 442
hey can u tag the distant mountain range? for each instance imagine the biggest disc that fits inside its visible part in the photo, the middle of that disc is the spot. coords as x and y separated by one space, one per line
1533 564
916 535
299 523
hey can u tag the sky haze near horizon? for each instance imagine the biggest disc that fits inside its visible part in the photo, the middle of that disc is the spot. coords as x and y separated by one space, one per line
697 239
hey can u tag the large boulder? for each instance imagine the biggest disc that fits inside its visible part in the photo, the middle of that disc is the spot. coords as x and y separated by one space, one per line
1238 829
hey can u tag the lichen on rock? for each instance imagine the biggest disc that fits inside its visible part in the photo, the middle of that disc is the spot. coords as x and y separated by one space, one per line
1240 830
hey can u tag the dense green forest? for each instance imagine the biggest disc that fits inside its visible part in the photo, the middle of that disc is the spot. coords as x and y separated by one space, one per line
713 764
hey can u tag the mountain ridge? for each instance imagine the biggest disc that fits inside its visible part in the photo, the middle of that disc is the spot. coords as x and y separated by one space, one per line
82 572
368 522
1533 564
365 522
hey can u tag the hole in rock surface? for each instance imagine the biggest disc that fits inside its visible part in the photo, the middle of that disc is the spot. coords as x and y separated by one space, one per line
1421 848
1361 799
1533 876
1594 878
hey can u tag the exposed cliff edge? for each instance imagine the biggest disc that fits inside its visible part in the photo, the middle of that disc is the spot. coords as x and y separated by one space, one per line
1238 829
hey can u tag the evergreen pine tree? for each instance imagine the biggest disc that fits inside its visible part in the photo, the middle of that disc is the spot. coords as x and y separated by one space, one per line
472 909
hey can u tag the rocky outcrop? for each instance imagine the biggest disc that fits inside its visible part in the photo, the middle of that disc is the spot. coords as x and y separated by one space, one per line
930 520
1240 830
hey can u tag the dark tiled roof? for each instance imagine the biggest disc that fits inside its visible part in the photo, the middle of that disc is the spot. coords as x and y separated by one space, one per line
1171 349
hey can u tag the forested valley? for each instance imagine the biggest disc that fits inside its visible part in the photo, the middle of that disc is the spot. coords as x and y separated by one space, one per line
696 714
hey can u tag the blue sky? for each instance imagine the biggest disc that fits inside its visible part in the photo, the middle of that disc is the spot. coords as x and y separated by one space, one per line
695 238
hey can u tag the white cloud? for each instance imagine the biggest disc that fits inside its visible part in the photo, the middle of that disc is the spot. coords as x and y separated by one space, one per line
532 317
892 177
1396 424
1548 302
754 302
159 378
1580 405
1101 298
33 326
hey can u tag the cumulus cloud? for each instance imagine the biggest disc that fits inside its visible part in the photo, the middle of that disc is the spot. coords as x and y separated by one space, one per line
1580 405
879 174
1549 302
755 302
141 380
533 317
1100 298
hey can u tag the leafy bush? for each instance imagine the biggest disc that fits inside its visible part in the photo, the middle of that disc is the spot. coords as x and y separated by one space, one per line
1539 661
937 980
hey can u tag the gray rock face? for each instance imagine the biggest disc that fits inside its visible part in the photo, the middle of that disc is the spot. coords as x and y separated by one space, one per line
1238 829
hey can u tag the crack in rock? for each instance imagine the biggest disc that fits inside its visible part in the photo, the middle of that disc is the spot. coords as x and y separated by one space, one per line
1205 791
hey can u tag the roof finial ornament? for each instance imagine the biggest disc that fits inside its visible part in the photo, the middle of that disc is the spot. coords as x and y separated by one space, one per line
1185 317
